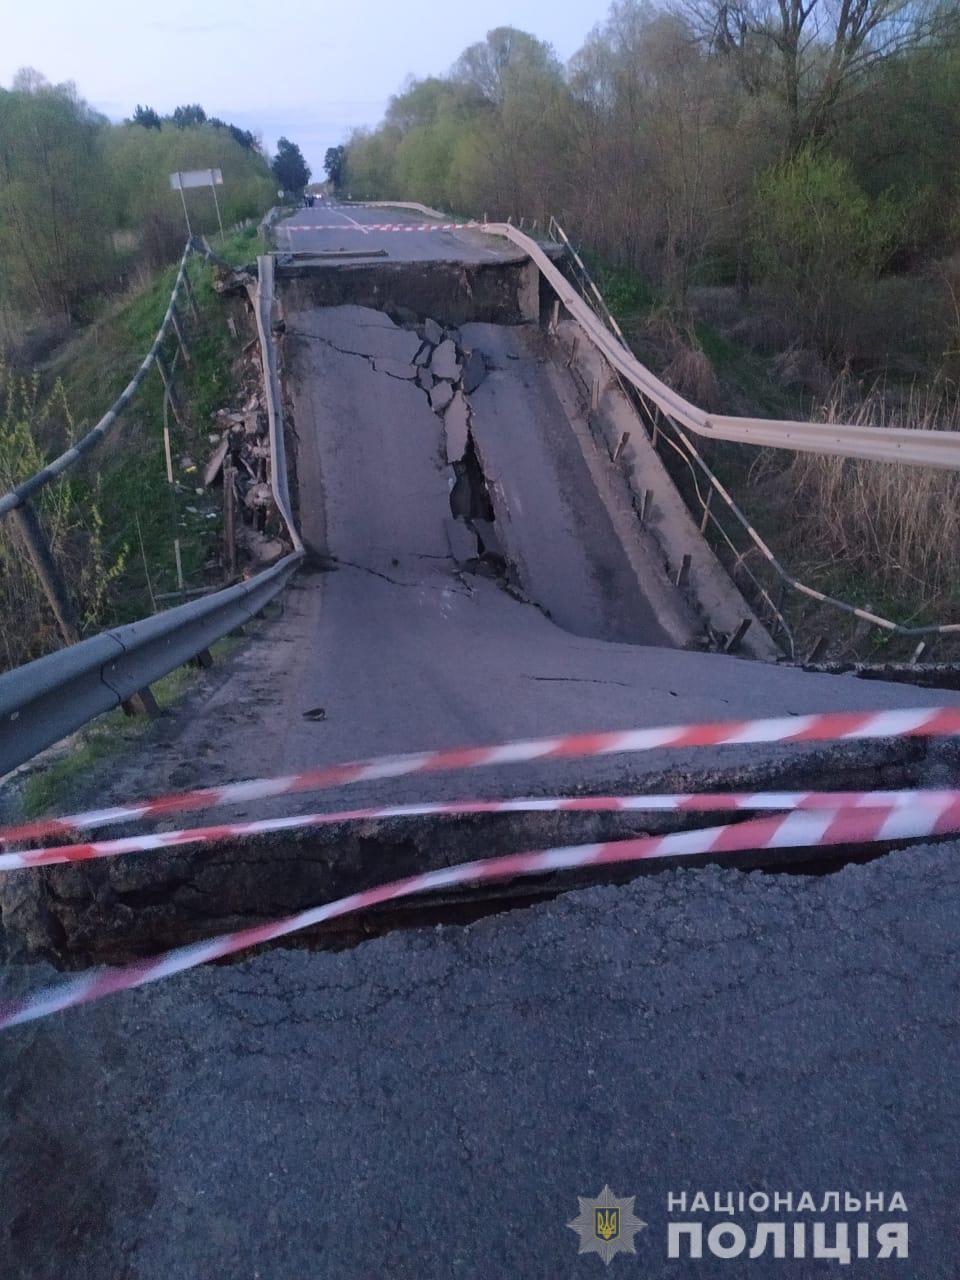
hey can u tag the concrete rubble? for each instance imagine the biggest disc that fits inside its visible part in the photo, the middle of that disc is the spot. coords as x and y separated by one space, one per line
440 396
456 425
444 363
240 463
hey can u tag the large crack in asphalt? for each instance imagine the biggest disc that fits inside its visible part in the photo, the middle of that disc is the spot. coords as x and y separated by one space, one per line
116 910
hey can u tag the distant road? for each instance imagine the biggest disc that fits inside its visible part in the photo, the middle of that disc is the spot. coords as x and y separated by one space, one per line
331 227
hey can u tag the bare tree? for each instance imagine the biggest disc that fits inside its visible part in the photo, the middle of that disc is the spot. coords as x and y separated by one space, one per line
814 54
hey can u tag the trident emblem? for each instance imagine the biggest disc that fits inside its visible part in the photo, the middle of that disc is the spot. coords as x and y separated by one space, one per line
606 1223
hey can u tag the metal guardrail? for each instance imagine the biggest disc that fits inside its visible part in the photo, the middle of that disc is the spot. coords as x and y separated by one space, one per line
43 701
913 447
910 447
19 495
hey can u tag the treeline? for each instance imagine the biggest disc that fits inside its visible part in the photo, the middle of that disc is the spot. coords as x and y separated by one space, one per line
83 201
805 149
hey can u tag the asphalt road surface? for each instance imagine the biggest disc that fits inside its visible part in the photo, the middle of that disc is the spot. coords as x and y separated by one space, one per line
433 1102
332 227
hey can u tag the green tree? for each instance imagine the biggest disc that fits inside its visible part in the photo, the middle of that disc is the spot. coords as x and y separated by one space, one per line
54 188
333 163
491 64
147 117
187 117
289 166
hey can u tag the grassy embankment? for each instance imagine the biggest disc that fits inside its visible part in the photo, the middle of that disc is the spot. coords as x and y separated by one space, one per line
141 513
137 507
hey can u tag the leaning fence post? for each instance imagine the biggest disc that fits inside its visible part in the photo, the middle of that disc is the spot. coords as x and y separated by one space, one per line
229 523
706 511
37 546
178 330
191 296
166 377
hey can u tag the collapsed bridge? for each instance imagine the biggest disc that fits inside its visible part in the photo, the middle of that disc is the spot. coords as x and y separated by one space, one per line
493 551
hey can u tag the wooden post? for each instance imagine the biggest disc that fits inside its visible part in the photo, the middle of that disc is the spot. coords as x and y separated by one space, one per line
229 523
191 296
736 637
37 546
142 703
178 330
644 510
818 650
706 511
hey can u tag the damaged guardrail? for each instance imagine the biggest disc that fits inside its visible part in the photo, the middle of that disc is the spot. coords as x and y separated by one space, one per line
907 446
665 433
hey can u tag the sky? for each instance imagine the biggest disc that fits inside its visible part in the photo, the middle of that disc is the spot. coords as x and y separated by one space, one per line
310 71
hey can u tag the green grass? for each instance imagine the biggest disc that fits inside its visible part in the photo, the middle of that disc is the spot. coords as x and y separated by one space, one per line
141 513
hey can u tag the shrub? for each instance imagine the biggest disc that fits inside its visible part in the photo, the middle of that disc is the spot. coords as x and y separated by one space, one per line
816 238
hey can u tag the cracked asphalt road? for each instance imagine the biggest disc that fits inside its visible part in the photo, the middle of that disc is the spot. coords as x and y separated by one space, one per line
432 1103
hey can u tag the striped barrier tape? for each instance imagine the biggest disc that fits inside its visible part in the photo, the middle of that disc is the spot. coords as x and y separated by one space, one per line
379 226
793 830
698 802
821 727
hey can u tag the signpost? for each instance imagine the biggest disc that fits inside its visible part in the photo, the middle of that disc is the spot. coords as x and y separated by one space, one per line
182 180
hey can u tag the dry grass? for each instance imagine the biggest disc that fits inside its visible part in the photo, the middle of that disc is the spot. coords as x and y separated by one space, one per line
896 526
688 368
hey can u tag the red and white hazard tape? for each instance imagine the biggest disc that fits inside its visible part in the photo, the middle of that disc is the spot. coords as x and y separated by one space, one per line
379 226
792 830
829 726
934 802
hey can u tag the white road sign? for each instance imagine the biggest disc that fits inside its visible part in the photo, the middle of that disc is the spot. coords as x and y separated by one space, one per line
196 178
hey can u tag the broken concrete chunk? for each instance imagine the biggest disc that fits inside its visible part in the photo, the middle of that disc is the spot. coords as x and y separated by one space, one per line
424 354
263 550
395 368
445 363
258 495
425 379
215 465
453 335
440 396
474 372
432 332
463 543
486 531
455 427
